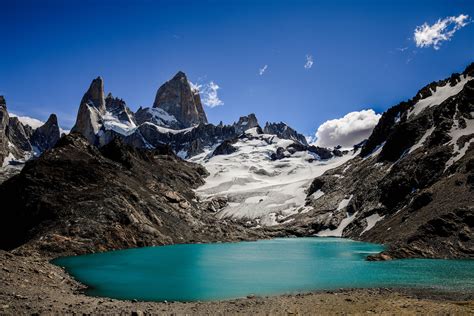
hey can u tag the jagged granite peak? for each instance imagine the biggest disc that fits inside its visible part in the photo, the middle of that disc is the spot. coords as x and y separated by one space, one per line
91 110
284 131
118 108
246 122
95 95
47 135
179 100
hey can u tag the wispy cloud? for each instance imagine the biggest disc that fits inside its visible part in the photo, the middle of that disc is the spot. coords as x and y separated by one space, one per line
262 70
195 87
309 62
402 49
209 95
433 35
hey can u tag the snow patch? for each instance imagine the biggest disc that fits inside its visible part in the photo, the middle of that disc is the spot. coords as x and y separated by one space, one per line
338 231
438 96
457 133
422 140
371 221
343 204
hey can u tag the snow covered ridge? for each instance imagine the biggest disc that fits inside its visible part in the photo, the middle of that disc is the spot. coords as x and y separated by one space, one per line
259 189
439 95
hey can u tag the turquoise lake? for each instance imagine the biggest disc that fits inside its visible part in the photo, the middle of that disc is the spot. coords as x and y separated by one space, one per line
268 267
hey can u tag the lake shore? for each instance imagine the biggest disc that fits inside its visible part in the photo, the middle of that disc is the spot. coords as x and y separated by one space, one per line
30 284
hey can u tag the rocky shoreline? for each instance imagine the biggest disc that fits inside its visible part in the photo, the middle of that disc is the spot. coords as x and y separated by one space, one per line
32 285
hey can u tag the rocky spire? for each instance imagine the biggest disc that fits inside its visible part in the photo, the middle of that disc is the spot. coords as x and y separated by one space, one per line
4 118
91 109
178 99
284 131
246 122
46 136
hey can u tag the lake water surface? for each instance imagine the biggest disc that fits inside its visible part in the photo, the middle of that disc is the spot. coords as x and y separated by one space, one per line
268 267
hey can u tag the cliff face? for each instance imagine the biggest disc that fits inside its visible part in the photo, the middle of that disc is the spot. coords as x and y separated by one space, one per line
178 99
91 109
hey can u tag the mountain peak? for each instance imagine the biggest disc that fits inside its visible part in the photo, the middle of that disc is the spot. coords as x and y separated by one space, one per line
178 99
180 75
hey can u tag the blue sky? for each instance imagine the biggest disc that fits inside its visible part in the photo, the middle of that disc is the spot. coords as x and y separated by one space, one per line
364 54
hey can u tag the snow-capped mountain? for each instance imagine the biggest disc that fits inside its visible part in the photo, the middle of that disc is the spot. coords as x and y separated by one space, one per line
176 119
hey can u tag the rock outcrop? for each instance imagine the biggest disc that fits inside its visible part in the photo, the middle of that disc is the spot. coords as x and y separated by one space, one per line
246 122
177 98
284 131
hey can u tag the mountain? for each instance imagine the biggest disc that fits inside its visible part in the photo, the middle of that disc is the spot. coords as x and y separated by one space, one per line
20 142
177 98
78 199
177 119
411 186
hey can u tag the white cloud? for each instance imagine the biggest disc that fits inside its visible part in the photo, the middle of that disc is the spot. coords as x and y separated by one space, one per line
402 49
262 70
209 95
309 62
347 131
433 35
26 120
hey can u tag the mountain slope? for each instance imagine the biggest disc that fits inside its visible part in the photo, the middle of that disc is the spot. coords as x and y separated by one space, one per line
263 177
76 199
412 184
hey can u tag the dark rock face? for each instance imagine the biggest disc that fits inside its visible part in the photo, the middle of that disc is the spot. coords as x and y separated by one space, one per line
178 99
46 136
19 137
77 199
246 122
91 110
4 120
411 186
225 148
284 131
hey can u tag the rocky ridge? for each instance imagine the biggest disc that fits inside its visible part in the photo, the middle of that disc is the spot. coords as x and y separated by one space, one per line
20 142
77 199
